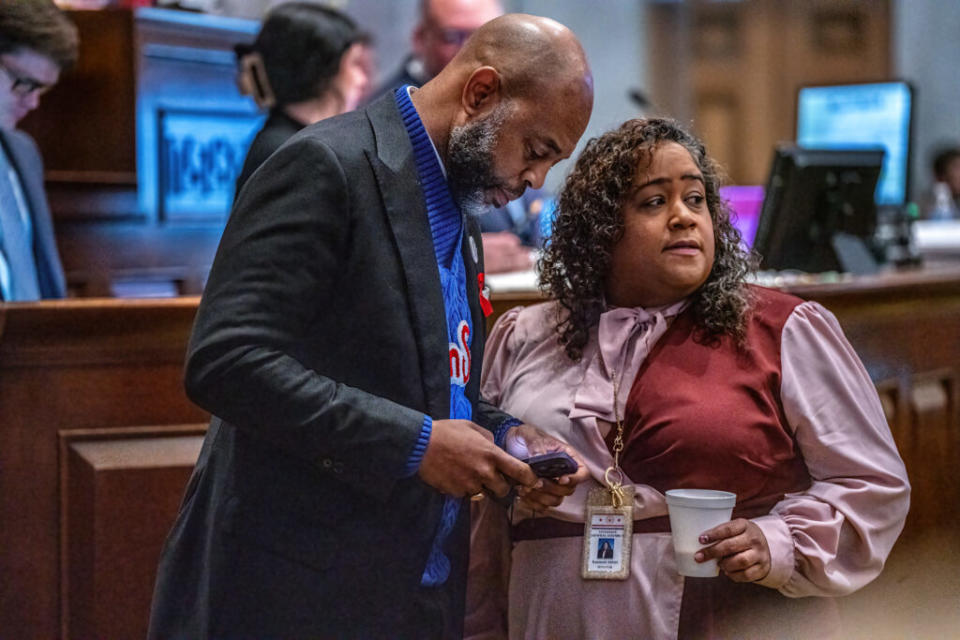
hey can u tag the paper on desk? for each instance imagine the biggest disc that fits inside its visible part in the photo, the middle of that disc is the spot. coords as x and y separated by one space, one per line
937 235
512 281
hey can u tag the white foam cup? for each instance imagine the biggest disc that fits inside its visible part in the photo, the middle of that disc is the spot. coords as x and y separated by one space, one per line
693 511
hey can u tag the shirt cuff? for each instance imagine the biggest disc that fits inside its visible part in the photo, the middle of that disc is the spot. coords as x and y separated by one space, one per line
500 433
780 543
419 448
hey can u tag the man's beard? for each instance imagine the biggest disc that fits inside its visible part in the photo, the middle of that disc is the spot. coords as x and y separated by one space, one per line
470 161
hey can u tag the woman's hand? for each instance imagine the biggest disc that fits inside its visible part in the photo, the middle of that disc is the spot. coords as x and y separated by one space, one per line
526 440
740 549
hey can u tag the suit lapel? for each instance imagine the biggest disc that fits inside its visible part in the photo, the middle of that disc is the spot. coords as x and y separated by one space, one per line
473 260
472 252
394 167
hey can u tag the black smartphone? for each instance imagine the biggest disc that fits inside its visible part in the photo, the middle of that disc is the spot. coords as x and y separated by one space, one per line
553 464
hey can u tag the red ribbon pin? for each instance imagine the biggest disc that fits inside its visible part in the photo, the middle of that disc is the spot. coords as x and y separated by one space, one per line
484 297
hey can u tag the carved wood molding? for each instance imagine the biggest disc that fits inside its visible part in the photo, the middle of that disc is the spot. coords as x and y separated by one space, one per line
129 452
101 332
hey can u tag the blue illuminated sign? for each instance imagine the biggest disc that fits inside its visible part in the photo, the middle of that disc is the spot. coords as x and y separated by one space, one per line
201 154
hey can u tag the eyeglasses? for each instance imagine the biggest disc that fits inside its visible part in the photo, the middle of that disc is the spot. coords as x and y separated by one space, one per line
452 36
24 85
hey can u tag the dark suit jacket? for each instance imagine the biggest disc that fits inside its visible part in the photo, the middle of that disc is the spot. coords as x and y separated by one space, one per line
26 160
319 343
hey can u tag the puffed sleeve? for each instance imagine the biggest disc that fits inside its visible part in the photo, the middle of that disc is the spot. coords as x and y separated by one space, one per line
499 355
835 537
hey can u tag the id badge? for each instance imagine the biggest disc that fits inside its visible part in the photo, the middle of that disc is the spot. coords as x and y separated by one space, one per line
607 536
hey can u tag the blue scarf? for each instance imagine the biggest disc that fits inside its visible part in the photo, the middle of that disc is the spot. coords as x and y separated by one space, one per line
447 229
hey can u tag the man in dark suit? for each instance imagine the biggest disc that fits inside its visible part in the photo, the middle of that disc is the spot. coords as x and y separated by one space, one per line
37 41
338 344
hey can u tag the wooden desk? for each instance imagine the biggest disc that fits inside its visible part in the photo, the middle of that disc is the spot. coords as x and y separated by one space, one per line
141 186
96 442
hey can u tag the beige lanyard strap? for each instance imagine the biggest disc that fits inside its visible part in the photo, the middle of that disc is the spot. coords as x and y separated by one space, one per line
613 476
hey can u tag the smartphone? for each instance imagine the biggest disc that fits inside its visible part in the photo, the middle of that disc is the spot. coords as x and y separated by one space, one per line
552 465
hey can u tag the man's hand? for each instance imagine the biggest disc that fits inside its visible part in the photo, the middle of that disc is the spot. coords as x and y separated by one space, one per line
740 549
526 440
461 460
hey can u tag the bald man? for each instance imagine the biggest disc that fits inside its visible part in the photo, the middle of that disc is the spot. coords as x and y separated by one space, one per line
338 345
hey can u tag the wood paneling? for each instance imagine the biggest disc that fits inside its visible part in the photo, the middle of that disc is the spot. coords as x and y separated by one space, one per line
99 132
168 255
97 99
758 53
120 492
68 365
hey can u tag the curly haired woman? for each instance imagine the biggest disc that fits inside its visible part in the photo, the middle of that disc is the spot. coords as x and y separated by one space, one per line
659 363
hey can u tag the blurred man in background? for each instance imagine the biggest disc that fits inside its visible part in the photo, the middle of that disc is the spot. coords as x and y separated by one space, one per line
37 42
443 27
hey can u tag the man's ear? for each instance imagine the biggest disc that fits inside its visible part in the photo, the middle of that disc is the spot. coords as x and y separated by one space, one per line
482 92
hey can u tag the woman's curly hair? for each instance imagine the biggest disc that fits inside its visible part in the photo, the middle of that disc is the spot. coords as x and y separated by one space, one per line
589 222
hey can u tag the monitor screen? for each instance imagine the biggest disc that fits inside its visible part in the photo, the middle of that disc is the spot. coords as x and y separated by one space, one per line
862 115
744 202
818 213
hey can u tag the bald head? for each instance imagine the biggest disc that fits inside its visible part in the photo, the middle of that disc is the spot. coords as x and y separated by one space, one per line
531 53
512 103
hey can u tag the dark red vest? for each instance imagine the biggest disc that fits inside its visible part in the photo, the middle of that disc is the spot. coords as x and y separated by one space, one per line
707 415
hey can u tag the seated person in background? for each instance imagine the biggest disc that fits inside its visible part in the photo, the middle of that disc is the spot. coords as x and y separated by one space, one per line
308 63
503 251
943 201
37 42
655 350
512 232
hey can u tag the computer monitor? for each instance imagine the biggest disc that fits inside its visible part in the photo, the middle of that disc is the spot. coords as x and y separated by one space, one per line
862 115
744 202
818 213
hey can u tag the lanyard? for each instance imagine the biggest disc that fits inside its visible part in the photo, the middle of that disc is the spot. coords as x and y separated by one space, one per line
613 476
